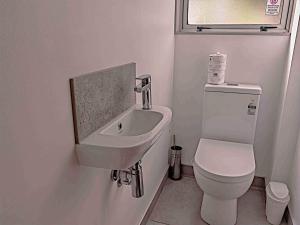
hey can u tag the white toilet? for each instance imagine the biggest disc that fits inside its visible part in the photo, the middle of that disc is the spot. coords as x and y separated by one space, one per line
224 163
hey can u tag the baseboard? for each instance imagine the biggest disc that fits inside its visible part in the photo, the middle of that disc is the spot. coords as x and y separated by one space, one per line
154 200
187 170
288 217
258 183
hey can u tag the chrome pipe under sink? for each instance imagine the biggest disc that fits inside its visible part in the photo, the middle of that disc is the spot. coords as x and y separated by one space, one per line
137 184
133 177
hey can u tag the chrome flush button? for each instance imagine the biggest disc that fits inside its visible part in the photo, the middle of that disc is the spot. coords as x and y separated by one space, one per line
251 109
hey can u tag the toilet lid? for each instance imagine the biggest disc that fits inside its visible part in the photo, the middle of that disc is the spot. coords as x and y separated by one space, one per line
225 161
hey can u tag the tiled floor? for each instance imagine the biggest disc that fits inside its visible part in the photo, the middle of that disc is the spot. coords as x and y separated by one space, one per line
180 201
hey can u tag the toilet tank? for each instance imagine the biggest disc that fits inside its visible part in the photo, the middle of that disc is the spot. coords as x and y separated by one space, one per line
230 112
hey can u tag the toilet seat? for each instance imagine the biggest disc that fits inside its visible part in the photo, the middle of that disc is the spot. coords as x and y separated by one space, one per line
223 161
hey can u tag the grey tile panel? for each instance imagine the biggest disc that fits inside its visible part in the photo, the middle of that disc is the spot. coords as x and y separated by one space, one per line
100 96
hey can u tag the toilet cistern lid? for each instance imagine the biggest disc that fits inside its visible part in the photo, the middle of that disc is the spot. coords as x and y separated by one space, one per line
237 88
222 159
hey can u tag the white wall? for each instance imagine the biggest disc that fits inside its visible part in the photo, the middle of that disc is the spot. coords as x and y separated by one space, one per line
294 186
293 108
288 120
251 59
42 45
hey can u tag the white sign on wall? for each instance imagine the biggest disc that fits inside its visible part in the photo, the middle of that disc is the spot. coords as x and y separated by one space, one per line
273 7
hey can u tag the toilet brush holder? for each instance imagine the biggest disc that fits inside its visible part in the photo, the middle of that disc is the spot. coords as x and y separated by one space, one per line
175 163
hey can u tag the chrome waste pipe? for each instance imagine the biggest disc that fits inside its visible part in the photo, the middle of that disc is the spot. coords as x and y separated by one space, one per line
133 177
137 185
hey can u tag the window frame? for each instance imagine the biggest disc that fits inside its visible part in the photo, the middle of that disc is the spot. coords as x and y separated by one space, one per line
182 25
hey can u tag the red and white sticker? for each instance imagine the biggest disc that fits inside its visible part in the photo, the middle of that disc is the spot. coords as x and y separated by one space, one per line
273 7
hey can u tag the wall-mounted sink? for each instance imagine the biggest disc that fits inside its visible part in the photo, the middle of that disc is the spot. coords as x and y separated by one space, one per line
124 141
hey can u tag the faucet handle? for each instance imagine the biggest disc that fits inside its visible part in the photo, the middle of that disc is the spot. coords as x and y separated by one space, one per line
146 78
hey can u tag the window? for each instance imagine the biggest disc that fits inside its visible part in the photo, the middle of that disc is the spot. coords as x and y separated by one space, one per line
234 15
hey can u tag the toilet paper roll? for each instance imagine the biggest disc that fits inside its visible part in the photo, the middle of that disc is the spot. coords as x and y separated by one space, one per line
216 68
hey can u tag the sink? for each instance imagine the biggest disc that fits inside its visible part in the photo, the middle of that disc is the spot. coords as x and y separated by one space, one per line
135 123
124 141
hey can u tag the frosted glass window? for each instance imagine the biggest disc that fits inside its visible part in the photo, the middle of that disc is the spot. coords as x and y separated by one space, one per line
231 12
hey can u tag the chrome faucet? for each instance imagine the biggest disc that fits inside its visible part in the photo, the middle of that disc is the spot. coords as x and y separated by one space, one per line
145 88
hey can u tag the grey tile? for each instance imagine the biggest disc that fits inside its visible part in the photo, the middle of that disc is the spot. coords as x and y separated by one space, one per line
179 203
100 96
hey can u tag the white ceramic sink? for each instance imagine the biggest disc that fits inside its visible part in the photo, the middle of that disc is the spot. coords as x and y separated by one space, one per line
124 141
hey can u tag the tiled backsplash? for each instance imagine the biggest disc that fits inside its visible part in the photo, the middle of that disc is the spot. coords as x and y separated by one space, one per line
100 96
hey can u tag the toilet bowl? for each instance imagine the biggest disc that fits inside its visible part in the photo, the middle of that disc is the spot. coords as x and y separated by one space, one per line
224 171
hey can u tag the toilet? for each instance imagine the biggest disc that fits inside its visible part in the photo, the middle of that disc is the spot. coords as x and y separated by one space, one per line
224 163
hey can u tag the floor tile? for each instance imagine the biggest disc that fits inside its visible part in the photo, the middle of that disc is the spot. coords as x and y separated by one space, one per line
180 202
251 208
151 222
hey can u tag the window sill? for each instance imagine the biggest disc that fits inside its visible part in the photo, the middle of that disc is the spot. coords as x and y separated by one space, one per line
233 32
